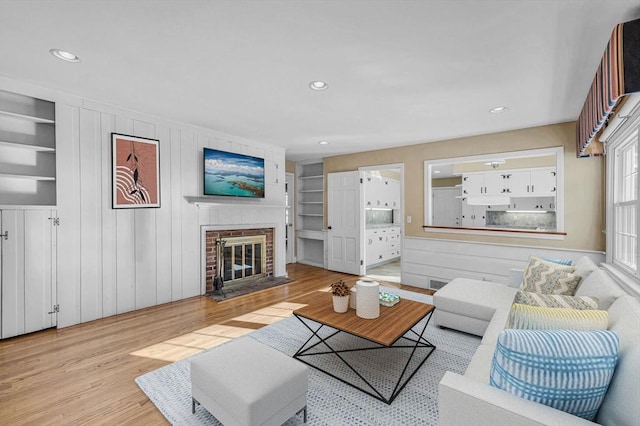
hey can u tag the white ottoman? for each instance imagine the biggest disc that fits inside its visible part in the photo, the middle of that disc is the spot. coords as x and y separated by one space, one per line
468 305
247 383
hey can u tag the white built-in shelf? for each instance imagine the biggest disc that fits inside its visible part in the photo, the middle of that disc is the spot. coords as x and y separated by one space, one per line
26 117
312 177
27 147
311 214
27 150
311 190
312 202
30 177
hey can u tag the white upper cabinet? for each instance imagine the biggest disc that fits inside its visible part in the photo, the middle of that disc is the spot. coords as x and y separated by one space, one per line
487 183
381 192
533 183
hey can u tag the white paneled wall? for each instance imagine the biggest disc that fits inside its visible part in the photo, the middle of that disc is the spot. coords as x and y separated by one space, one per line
425 259
114 261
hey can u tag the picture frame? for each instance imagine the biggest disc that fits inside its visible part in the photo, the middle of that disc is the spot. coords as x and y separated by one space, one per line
135 172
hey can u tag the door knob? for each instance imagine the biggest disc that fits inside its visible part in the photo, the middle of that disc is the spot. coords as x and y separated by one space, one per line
5 235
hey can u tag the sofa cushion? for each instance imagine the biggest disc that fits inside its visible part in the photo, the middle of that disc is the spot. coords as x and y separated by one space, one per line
584 267
542 276
539 318
599 284
565 369
621 403
567 262
555 300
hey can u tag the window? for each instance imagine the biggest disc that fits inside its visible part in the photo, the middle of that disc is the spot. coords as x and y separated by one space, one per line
624 204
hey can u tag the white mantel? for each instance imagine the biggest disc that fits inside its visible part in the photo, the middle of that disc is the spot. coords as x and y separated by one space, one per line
209 201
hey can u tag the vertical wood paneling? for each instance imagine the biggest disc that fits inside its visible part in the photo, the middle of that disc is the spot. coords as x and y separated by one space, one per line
176 214
145 239
113 261
37 270
90 216
125 244
163 219
108 225
190 154
68 200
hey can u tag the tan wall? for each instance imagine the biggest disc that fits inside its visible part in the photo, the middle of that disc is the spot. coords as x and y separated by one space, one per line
446 182
583 185
290 166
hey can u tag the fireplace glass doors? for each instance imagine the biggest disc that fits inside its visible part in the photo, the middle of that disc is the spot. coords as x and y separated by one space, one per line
243 257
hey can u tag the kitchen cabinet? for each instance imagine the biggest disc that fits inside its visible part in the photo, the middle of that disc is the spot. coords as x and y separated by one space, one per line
485 183
381 191
533 182
532 204
382 244
473 216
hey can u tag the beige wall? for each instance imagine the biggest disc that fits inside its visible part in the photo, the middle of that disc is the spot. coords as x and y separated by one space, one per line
290 166
446 182
583 185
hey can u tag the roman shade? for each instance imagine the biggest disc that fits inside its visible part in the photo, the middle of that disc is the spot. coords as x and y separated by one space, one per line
618 75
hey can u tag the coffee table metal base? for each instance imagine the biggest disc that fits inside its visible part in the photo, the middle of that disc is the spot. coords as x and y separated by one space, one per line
416 342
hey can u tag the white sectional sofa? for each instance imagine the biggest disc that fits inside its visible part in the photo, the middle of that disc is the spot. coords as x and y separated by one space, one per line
482 308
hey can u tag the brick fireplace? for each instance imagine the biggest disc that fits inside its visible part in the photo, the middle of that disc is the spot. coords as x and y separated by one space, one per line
241 254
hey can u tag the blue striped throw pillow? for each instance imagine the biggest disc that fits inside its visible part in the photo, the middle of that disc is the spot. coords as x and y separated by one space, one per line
565 369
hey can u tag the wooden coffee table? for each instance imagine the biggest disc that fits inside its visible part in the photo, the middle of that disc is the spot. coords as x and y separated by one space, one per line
392 330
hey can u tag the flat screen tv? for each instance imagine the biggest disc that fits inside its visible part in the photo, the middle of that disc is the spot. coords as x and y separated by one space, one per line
233 175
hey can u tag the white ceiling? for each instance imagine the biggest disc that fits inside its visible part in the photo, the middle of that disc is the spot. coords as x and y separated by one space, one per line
400 72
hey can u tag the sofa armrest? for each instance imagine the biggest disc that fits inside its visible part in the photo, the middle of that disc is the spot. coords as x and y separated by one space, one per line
464 401
515 277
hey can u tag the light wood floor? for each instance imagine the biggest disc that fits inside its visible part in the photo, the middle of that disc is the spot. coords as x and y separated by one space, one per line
85 374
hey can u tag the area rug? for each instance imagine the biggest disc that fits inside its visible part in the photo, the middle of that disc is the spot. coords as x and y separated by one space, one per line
234 290
329 401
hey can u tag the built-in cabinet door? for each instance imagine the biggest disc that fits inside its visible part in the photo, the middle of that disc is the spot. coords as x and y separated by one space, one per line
28 270
473 216
544 182
533 183
473 184
494 183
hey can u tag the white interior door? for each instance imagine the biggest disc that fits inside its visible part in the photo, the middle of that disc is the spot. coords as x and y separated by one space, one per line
345 223
289 218
28 271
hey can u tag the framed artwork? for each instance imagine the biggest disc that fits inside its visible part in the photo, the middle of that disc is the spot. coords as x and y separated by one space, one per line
136 172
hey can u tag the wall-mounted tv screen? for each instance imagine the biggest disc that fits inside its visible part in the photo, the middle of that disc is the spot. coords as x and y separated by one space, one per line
233 175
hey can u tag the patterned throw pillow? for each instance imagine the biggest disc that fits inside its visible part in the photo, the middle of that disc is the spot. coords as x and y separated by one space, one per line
542 276
565 369
538 318
555 300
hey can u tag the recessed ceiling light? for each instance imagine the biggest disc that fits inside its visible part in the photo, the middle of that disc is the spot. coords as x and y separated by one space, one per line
318 85
436 171
64 55
323 143
497 110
